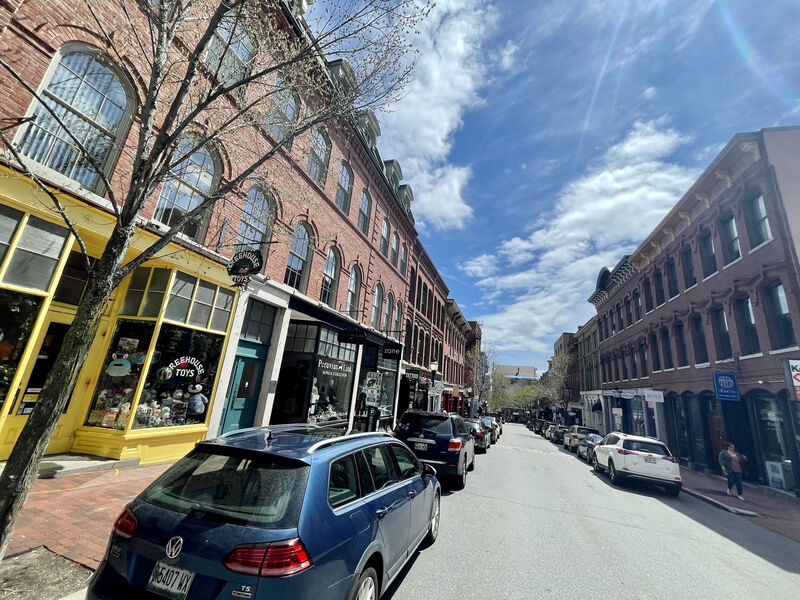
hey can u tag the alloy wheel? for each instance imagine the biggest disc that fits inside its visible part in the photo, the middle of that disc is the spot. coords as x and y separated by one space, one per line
367 590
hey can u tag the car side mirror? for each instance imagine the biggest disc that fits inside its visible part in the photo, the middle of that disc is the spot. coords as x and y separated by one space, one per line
428 470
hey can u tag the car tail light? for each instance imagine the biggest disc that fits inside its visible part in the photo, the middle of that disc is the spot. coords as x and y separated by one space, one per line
479 434
454 445
671 459
125 525
275 559
624 451
574 436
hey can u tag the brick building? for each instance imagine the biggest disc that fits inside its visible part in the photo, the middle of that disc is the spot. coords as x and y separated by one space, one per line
714 289
331 218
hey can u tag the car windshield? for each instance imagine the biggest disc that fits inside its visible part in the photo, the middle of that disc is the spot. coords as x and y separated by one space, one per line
473 426
261 491
413 422
646 446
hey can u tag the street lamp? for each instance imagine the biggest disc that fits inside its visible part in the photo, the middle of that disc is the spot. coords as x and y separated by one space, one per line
434 367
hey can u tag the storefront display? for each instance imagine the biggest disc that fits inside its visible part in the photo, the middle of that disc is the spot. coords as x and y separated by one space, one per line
119 378
18 313
375 408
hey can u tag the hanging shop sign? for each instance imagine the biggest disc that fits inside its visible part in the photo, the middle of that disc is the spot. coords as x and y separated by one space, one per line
726 386
329 367
793 377
392 350
351 336
246 262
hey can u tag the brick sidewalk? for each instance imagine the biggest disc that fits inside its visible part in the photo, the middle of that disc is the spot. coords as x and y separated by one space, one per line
781 515
73 515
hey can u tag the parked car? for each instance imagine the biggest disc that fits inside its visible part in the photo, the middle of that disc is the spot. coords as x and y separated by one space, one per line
575 434
548 432
482 437
629 456
557 434
240 515
490 424
440 440
499 419
586 446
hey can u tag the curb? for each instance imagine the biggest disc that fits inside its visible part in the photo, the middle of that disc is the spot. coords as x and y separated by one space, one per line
718 504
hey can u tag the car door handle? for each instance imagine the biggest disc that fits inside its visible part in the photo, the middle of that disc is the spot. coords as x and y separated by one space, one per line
383 511
412 494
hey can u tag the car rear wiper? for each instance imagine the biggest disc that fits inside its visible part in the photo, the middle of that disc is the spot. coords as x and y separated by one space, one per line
426 430
211 514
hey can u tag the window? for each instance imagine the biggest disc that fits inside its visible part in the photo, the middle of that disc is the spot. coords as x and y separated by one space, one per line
318 156
628 312
296 272
409 467
283 111
613 323
393 253
746 322
403 260
363 212
687 264
779 319
634 366
643 358
91 102
707 257
658 283
755 215
230 52
330 279
637 305
377 302
381 466
672 278
648 295
398 315
258 321
667 349
344 189
605 327
680 345
72 283
36 255
353 292
343 485
654 352
619 317
699 335
730 240
387 313
196 302
722 337
150 285
623 360
616 368
385 227
258 217
186 187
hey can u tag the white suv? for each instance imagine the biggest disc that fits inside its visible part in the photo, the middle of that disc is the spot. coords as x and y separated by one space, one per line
637 457
574 435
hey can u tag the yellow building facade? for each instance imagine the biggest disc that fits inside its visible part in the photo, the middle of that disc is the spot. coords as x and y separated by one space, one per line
147 387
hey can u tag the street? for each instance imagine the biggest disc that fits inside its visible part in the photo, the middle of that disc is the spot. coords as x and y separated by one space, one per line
536 522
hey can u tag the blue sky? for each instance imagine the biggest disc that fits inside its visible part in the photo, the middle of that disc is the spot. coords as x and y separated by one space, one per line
545 139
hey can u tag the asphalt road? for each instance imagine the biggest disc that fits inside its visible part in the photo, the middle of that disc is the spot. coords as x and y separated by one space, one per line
535 522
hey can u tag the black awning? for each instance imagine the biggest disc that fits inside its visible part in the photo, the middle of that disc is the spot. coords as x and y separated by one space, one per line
597 407
332 319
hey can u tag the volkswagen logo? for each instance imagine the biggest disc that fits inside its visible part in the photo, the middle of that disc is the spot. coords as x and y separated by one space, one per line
174 546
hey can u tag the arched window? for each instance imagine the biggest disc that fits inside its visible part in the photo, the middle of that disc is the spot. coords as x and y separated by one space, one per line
387 313
385 237
403 260
363 212
318 156
296 267
282 112
258 217
187 186
398 315
395 244
230 52
345 188
353 292
377 302
90 100
330 279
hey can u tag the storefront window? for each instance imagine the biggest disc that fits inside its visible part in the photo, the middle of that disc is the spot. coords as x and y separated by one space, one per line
180 380
371 363
9 220
18 313
45 359
638 415
73 280
776 440
146 284
119 378
332 385
34 259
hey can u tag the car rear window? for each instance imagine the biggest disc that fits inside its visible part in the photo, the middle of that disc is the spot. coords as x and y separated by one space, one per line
415 423
233 488
586 430
643 446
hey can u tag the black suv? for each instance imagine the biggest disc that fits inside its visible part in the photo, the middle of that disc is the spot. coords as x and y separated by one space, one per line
440 440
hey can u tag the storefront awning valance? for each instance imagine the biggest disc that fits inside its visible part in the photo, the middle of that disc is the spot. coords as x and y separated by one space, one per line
332 319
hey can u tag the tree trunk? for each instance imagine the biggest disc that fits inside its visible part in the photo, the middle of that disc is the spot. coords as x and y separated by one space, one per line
23 463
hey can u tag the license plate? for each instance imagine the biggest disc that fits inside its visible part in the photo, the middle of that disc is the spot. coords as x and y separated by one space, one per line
420 446
650 459
170 582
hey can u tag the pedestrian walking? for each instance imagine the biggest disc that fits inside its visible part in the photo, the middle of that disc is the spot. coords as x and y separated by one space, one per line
731 463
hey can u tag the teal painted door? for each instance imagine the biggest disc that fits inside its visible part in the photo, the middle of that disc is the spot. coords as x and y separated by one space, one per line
240 405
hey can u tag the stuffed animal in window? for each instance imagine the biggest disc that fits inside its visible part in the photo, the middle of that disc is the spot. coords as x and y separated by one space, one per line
197 400
119 366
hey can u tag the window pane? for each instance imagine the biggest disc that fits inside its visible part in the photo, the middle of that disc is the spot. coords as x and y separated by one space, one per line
182 289
34 260
9 219
222 311
343 483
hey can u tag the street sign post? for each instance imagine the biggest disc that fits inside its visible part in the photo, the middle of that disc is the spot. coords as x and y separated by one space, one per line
726 386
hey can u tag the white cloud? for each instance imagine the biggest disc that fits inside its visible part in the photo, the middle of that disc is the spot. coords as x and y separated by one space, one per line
480 266
649 93
549 273
419 132
508 55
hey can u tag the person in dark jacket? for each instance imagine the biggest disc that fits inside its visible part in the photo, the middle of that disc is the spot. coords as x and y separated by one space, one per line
731 463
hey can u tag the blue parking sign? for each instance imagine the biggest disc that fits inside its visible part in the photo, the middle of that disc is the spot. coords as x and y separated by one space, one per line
726 386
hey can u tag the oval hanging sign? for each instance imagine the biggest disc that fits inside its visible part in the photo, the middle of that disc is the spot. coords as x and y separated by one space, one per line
246 262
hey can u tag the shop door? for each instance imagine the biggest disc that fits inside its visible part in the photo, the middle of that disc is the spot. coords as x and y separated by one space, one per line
716 429
242 400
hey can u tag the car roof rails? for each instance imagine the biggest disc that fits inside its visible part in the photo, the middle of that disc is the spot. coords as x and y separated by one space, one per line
307 428
344 438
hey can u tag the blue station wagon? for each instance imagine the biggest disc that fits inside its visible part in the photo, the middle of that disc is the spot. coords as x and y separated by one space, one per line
276 512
